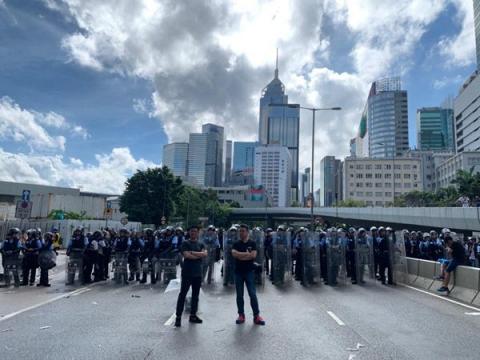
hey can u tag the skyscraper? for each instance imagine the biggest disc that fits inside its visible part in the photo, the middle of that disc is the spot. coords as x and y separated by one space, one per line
435 129
243 163
272 170
228 162
467 115
175 156
280 124
386 118
331 181
476 14
205 156
306 190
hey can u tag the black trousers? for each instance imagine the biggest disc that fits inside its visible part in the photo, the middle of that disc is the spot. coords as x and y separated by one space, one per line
195 283
30 264
43 276
89 263
385 265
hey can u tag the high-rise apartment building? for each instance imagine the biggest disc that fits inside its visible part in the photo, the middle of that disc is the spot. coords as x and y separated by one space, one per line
476 14
331 181
272 170
175 156
280 124
435 129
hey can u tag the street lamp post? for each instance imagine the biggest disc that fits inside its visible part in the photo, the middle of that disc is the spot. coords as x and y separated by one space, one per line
312 177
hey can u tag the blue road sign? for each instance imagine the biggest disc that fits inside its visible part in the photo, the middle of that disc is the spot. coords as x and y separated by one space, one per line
26 195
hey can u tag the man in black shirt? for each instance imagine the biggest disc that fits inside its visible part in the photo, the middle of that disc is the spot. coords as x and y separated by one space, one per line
193 252
457 253
245 251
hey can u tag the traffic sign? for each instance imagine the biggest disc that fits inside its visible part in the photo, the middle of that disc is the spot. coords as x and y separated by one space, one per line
26 195
23 209
163 220
124 221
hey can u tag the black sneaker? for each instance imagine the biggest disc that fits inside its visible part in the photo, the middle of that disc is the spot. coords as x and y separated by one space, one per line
195 319
178 321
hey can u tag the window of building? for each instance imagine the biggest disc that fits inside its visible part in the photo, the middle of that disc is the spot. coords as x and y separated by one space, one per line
388 185
359 167
378 185
407 185
406 167
388 194
359 176
368 193
378 193
378 166
388 167
359 193
398 185
406 176
398 167
379 203
368 176
368 167
398 176
378 176
388 176
368 184
359 185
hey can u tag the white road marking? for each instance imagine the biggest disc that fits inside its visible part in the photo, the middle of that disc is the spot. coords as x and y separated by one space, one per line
336 318
442 298
71 293
170 320
473 313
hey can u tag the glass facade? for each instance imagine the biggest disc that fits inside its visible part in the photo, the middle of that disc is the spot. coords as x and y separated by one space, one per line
280 124
476 14
331 178
435 129
387 119
228 161
175 157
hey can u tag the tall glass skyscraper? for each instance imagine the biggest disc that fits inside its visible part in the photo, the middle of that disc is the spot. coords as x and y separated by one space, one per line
205 156
387 119
280 124
175 157
331 184
243 163
435 129
228 162
476 14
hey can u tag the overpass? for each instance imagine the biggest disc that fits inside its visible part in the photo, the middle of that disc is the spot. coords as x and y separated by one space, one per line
457 219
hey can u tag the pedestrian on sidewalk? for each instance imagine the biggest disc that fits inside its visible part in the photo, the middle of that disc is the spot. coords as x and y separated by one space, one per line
193 252
245 252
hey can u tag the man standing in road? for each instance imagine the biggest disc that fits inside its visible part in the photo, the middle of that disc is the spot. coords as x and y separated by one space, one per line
245 251
193 252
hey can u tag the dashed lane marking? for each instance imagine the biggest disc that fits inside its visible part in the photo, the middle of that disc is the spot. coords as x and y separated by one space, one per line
336 318
170 320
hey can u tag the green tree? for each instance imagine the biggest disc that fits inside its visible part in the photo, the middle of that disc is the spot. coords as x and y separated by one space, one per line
151 194
468 183
351 203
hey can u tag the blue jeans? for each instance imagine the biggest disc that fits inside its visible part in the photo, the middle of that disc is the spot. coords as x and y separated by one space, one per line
249 280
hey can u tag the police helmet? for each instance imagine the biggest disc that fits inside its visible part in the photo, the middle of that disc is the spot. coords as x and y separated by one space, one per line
426 235
373 228
32 233
268 230
351 230
388 228
211 228
381 228
281 228
124 232
179 228
48 236
149 232
13 232
361 230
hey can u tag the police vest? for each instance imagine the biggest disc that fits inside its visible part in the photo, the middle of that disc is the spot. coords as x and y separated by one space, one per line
10 245
31 244
122 244
135 247
78 243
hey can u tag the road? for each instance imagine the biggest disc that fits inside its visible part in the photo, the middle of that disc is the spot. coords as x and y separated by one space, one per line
104 321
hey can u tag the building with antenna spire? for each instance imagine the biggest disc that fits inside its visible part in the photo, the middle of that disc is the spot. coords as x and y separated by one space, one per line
279 123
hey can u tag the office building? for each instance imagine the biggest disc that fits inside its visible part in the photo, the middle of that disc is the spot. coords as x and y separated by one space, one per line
306 188
370 180
435 129
467 115
175 157
279 123
272 170
205 156
331 183
383 130
228 162
429 161
243 163
447 170
476 14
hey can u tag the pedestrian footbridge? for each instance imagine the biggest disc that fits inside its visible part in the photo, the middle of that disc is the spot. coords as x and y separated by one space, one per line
457 219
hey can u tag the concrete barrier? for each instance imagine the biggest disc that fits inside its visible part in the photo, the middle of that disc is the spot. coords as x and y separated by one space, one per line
426 273
466 284
412 270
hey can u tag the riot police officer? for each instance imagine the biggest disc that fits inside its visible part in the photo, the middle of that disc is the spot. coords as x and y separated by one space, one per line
384 256
373 240
210 241
75 249
350 255
46 258
147 257
268 251
90 256
134 253
298 244
10 249
121 245
31 250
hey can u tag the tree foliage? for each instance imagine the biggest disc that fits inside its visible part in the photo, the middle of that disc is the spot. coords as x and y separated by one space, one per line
151 194
351 203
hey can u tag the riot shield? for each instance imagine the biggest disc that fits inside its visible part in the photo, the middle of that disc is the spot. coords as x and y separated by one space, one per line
374 261
336 265
74 266
398 257
119 267
228 261
12 265
282 258
311 258
257 235
168 265
363 257
208 263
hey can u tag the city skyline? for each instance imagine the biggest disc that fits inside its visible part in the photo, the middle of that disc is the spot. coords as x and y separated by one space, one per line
77 103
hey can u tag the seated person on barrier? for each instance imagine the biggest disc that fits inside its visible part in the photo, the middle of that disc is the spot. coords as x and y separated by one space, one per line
456 254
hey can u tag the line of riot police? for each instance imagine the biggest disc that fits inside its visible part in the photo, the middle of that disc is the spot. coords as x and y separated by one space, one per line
22 254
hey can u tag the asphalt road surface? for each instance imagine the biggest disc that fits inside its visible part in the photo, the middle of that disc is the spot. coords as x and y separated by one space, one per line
104 321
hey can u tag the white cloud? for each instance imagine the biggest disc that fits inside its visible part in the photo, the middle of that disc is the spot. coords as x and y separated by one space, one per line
459 50
23 126
210 60
447 81
108 175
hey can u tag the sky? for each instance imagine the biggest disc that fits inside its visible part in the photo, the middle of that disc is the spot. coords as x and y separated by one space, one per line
91 91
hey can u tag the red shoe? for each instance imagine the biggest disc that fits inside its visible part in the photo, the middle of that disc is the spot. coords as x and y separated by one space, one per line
258 320
240 319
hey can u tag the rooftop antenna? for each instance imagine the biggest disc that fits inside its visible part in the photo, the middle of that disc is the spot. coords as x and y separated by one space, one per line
276 66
